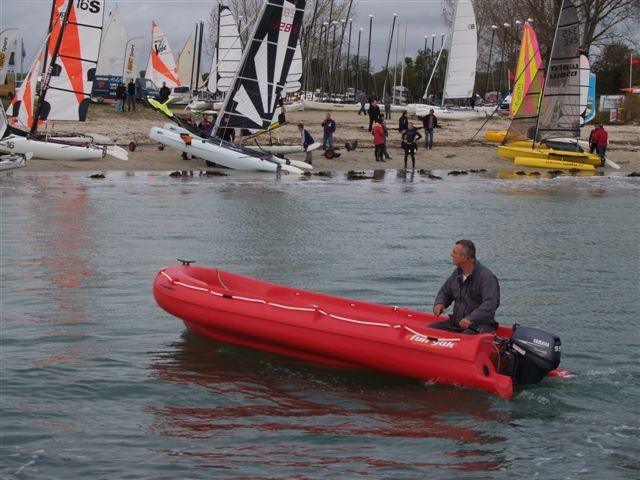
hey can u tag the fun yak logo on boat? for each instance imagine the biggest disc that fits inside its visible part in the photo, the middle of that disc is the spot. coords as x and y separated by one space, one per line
436 342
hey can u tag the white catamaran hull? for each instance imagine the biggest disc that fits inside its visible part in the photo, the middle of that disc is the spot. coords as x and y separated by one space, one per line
220 155
11 162
449 114
275 149
50 150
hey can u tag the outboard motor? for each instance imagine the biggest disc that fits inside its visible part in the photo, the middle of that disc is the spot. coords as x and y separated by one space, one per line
530 354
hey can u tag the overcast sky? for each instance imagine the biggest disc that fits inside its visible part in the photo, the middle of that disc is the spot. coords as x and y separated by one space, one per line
177 18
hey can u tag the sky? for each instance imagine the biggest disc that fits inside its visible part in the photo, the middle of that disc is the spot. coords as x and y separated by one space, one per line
177 19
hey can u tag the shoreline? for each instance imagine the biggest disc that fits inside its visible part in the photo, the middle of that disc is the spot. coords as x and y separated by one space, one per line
453 149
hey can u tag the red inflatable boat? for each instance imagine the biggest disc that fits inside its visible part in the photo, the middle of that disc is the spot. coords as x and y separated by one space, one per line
313 326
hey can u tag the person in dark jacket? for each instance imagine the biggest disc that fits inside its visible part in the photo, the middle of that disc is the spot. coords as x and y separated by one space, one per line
374 112
131 96
429 122
473 289
306 140
205 126
328 129
121 96
164 92
225 132
403 122
410 138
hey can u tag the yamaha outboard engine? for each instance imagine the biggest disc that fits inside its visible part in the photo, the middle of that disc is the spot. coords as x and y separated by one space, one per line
530 354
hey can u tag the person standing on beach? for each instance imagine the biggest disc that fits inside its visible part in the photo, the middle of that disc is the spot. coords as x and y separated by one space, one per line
403 122
225 132
601 138
362 98
374 112
386 135
429 122
387 106
474 290
328 128
410 137
121 96
131 95
164 92
378 139
205 126
305 142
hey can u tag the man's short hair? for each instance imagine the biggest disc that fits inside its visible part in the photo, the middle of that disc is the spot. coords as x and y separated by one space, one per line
468 248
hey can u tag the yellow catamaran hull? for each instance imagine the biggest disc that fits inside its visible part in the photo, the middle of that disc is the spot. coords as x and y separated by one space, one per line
552 164
523 149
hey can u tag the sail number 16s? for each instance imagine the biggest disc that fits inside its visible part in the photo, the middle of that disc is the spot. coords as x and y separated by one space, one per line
92 5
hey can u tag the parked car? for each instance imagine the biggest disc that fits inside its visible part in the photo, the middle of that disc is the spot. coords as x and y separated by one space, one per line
145 88
181 95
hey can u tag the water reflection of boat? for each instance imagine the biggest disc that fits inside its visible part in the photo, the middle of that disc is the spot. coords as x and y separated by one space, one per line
268 393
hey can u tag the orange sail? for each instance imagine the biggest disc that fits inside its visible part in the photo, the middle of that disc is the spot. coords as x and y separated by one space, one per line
162 66
529 62
22 107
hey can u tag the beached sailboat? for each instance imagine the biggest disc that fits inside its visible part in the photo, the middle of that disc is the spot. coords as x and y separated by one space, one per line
253 94
460 73
552 131
70 57
113 45
161 67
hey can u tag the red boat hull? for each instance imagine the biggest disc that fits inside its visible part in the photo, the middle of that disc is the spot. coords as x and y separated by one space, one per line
312 326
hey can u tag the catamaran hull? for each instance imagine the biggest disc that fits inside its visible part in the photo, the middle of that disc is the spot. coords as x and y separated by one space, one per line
275 149
219 155
448 114
11 162
552 164
517 149
50 150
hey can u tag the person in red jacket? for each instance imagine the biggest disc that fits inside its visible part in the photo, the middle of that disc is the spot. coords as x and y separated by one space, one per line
378 138
601 138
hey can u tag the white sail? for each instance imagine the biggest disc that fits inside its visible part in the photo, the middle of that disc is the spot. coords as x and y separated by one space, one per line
295 72
22 105
7 51
185 62
114 41
463 53
212 80
161 66
69 85
131 52
229 52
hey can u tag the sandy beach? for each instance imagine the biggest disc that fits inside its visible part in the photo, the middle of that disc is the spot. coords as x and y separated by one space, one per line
453 148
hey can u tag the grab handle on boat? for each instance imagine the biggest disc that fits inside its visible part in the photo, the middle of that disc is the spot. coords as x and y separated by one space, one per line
186 262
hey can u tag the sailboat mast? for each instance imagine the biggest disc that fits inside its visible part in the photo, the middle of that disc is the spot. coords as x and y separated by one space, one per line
45 80
194 59
546 77
51 23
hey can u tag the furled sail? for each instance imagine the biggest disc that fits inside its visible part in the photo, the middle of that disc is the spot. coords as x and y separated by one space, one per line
255 91
590 111
529 62
68 82
114 42
228 52
185 62
7 51
132 50
161 66
560 108
463 53
22 105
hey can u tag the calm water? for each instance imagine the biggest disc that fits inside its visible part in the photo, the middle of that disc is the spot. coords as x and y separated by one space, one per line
98 382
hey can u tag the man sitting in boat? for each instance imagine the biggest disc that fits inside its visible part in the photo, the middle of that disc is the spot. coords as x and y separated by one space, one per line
473 289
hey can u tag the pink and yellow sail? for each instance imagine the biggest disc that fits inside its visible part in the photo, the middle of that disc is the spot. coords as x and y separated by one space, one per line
529 62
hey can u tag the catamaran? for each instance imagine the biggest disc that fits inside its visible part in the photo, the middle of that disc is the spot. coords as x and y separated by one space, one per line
70 56
548 136
253 95
461 68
